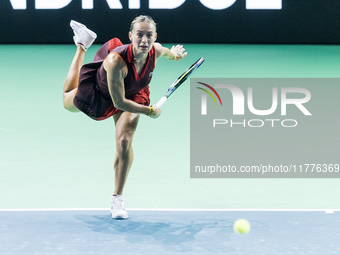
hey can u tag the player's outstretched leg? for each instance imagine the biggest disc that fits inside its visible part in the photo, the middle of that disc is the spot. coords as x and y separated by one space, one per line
83 38
126 124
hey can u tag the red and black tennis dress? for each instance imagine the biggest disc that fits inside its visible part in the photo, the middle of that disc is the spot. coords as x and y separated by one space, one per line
93 97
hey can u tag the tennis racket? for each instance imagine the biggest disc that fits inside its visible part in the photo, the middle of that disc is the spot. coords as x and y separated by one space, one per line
179 81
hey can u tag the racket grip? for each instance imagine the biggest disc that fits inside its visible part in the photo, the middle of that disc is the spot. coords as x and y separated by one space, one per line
161 101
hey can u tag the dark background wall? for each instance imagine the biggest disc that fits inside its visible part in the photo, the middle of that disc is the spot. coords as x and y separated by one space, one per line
298 22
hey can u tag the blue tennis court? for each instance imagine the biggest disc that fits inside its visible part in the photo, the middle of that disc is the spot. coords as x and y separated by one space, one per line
168 232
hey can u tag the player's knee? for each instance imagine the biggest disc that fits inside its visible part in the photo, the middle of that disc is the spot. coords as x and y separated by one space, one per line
65 104
69 107
65 101
68 104
124 145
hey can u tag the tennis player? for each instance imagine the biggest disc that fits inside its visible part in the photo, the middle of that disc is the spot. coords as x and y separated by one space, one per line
116 84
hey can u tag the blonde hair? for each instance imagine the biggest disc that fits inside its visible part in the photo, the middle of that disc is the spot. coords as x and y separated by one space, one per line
142 18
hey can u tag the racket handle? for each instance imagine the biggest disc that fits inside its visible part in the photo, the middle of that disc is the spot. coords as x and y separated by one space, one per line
161 101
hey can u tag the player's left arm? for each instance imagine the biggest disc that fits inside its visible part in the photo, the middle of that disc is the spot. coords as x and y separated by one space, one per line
175 53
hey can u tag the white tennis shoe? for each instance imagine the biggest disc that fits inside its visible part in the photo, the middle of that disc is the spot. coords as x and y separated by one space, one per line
82 35
117 208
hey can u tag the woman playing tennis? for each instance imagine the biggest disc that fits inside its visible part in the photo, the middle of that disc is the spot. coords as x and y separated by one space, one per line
116 84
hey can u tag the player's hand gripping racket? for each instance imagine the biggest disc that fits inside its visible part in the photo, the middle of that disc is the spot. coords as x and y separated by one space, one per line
179 81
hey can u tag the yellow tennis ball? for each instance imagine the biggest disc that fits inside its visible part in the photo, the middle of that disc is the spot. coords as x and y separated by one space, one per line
242 226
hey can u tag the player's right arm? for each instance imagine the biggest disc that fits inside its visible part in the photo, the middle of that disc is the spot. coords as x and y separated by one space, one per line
116 71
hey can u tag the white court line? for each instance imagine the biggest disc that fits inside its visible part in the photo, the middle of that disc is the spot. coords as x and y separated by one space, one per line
174 210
